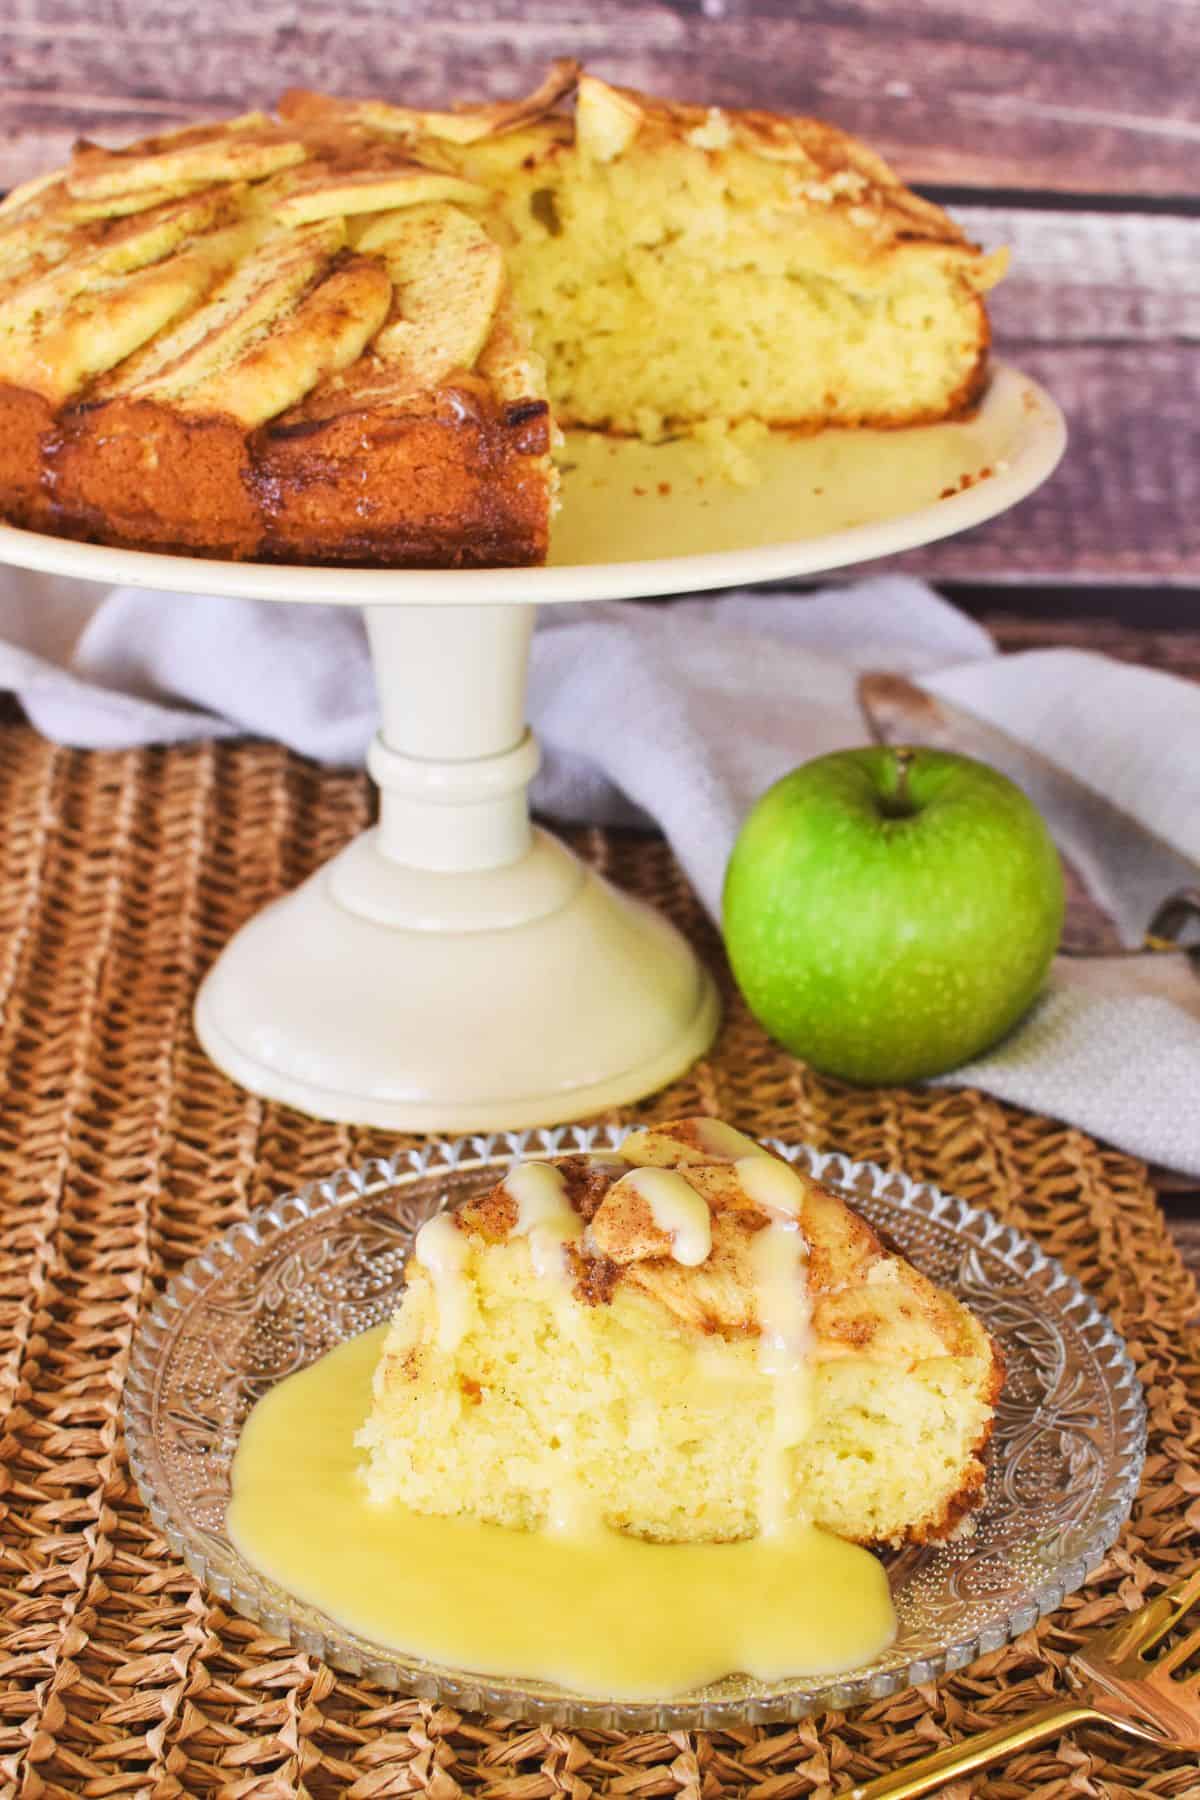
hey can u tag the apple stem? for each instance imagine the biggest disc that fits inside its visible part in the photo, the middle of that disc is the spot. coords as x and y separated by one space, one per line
900 801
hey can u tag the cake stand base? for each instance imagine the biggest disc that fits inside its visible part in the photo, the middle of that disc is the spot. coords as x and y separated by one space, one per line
459 1020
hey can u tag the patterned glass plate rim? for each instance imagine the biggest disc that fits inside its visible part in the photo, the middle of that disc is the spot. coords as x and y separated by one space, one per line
1072 1396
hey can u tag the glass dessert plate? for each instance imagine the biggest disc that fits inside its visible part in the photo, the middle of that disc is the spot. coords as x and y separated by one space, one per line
317 1267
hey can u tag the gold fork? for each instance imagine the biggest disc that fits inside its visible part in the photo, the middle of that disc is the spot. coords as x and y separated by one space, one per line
1116 1682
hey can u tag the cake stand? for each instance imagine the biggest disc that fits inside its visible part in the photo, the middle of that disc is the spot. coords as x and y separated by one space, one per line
454 968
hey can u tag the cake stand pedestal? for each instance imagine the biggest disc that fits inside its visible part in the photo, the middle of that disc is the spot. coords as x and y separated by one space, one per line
455 969
454 964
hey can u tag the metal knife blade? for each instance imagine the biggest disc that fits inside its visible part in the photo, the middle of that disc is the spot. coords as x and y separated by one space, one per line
1129 869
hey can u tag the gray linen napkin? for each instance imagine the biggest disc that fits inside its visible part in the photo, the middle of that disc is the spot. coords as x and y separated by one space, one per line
680 715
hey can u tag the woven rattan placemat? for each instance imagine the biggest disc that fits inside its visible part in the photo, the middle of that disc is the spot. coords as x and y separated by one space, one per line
122 1151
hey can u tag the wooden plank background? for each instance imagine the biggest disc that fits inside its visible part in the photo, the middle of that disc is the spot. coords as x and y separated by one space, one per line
1094 95
1071 133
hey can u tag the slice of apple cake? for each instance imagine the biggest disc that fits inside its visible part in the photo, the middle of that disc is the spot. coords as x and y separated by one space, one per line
685 1340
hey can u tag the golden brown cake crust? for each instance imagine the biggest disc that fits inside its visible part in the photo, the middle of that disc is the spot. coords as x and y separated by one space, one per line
439 487
836 167
137 473
454 485
25 421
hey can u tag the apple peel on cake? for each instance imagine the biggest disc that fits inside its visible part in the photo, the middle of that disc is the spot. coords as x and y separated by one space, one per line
348 333
684 1340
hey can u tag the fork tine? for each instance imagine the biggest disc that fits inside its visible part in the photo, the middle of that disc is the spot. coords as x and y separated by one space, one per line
1178 1653
1152 1624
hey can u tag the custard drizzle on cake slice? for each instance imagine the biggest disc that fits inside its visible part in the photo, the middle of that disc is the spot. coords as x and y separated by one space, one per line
779 1256
441 1250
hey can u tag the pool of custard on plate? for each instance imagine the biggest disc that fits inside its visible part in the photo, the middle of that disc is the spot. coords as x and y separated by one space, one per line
593 1610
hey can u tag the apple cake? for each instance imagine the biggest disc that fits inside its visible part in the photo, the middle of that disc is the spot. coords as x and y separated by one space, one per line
685 1340
348 332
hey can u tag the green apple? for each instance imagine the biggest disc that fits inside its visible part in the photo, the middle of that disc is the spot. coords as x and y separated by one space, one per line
889 913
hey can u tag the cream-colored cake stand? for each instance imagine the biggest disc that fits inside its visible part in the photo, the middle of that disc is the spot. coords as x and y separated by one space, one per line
454 968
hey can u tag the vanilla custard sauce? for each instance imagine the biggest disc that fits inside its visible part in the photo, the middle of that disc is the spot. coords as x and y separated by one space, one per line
591 1609
442 1251
678 1211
